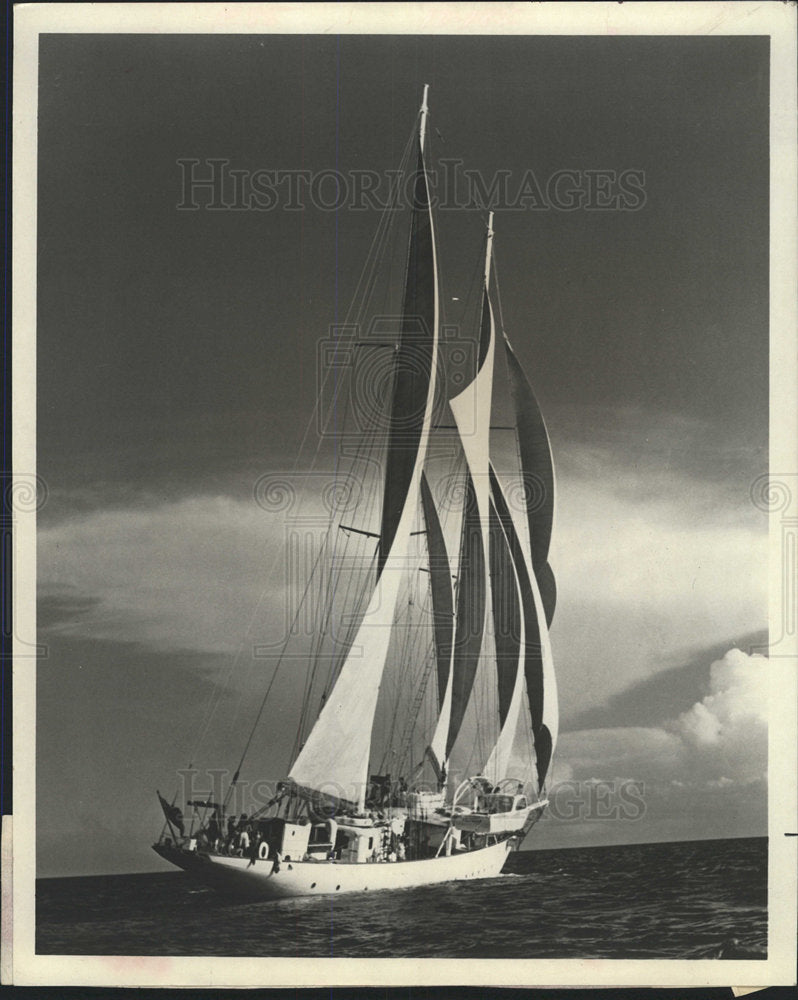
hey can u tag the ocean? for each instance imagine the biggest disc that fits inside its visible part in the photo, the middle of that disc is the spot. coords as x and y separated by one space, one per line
698 899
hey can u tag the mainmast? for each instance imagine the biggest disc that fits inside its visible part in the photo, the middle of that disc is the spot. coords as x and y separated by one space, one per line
422 132
334 760
471 409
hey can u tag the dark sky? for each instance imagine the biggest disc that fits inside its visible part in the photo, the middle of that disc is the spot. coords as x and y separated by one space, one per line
177 349
165 320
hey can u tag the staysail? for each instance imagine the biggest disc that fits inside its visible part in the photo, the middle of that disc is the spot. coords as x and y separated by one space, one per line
508 629
471 605
443 622
334 759
538 477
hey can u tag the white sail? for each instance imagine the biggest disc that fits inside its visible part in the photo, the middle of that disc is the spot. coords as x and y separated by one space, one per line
497 764
437 746
471 407
551 707
334 760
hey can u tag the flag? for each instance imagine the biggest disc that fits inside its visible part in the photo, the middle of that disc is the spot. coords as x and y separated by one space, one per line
173 814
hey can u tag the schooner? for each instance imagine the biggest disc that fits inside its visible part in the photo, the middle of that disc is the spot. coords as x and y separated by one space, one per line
334 825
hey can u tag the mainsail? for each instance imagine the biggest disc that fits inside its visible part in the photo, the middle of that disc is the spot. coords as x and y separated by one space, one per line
334 760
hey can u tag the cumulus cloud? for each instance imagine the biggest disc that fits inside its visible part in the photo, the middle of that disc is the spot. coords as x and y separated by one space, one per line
704 772
722 736
725 735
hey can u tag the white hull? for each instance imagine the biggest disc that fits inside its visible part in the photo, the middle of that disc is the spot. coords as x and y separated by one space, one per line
312 878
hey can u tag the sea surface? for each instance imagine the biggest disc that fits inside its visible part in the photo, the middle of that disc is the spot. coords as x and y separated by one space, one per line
699 899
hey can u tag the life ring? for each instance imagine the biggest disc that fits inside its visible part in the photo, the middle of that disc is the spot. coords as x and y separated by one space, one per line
263 851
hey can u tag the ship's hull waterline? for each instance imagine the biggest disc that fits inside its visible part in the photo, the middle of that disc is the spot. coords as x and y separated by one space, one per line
239 876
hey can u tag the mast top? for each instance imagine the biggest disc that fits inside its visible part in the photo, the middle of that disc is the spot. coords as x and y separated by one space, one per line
488 249
424 112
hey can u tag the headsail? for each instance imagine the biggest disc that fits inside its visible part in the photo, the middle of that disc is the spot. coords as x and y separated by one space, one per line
334 759
541 685
506 606
508 629
443 621
471 604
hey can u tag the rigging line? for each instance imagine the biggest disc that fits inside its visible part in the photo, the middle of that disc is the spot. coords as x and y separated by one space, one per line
357 309
383 259
498 291
315 654
409 653
398 686
406 655
427 661
221 682
268 689
414 652
367 283
354 621
406 743
363 293
359 583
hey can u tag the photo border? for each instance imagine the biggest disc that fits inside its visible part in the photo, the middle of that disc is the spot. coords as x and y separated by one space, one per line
775 19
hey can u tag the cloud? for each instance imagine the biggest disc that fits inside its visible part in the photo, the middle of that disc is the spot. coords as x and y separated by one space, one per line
704 773
725 734
650 559
191 574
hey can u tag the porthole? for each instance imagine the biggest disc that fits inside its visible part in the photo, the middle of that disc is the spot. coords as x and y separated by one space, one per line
337 888
312 885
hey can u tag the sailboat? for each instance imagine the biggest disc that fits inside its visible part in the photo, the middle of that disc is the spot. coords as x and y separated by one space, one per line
487 676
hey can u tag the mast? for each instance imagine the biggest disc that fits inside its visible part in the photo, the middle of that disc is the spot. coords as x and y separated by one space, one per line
413 358
333 763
